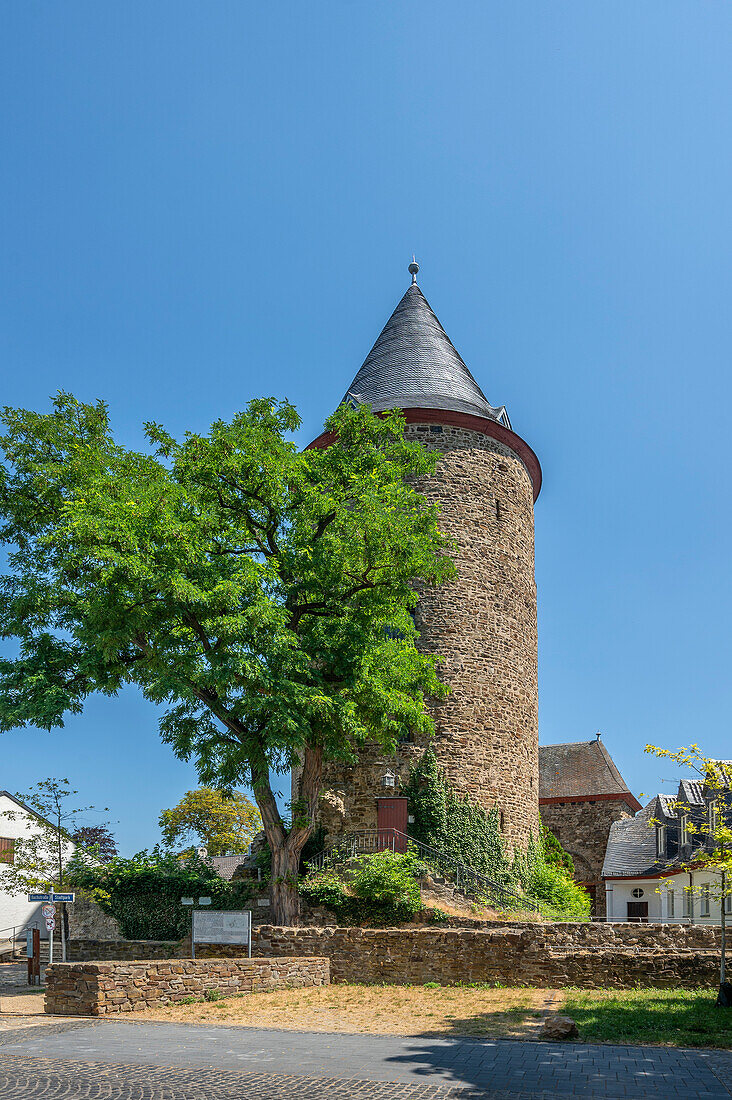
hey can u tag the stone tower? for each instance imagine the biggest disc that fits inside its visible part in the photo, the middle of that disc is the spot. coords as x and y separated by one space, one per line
483 624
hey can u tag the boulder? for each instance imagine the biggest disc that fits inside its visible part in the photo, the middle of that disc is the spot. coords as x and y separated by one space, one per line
558 1027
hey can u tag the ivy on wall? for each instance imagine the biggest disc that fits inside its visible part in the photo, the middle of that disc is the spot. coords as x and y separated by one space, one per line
465 832
455 826
144 893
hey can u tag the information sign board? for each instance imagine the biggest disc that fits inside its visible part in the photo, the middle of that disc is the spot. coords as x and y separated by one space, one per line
222 926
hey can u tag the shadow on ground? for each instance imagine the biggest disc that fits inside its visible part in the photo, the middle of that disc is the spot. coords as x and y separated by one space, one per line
509 1070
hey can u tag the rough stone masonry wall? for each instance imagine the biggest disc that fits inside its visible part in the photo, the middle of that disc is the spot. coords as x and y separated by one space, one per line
520 953
517 955
582 829
484 625
102 988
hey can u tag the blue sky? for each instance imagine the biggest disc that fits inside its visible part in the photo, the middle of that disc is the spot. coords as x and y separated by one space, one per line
201 203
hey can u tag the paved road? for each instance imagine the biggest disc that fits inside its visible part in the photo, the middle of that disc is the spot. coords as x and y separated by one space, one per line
124 1060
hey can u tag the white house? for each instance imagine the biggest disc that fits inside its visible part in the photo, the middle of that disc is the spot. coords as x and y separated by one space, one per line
18 820
642 874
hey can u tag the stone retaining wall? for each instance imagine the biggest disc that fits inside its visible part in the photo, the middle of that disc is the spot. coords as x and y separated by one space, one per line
513 955
544 955
101 988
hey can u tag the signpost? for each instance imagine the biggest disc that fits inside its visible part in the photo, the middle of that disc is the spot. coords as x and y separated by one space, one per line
33 953
49 913
222 926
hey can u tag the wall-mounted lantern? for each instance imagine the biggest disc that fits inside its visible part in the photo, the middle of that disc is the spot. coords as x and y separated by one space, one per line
388 779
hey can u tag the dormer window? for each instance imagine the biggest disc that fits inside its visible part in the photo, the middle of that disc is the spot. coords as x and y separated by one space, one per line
660 841
683 831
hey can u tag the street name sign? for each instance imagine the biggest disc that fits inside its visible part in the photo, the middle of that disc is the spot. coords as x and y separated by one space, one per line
51 897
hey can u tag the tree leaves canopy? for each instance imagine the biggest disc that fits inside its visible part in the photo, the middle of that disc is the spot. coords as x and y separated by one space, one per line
261 594
223 825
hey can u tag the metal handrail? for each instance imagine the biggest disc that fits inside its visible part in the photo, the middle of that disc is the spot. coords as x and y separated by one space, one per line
465 878
17 930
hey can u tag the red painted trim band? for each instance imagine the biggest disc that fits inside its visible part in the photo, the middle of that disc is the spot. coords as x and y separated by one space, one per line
471 423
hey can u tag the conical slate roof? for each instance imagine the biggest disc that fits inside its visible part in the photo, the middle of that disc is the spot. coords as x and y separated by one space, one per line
414 365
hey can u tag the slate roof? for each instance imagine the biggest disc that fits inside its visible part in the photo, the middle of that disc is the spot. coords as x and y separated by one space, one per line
631 846
691 791
224 866
579 768
413 364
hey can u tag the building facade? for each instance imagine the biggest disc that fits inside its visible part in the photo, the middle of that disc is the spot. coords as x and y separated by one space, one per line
19 822
649 870
483 624
581 795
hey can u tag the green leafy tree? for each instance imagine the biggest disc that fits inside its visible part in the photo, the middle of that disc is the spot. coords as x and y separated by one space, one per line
711 839
224 825
260 593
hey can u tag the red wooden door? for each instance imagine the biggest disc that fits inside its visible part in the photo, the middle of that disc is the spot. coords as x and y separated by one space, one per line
391 822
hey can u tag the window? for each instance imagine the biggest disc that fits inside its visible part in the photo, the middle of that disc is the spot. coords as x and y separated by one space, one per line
712 817
7 849
728 904
671 903
683 831
687 903
660 841
705 907
498 509
638 893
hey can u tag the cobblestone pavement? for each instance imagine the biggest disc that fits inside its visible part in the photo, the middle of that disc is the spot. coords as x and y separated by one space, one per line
124 1060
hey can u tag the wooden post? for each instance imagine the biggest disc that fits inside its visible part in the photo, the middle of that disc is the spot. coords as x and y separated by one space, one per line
34 959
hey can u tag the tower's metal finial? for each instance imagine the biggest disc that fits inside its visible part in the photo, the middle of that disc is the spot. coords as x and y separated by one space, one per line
413 269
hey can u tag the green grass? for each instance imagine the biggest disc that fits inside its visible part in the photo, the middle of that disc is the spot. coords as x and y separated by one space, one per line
674 1017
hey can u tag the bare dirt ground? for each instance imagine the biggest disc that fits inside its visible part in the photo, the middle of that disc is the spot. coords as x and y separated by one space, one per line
375 1010
21 1005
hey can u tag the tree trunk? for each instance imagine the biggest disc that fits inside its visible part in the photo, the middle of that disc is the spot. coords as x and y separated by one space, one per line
283 887
286 847
723 922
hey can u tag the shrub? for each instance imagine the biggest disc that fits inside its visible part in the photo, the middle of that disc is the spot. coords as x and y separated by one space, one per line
390 878
144 893
385 891
551 884
465 832
554 853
